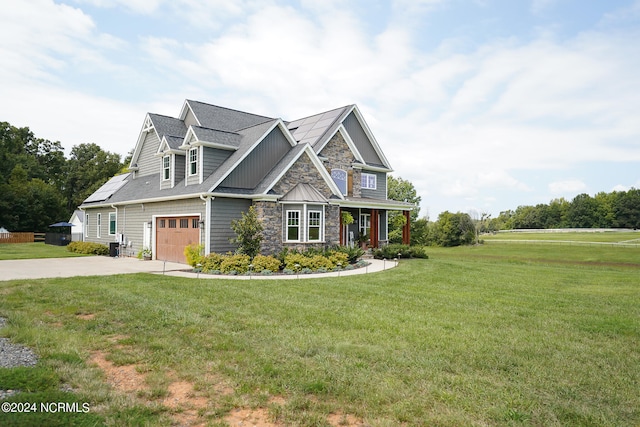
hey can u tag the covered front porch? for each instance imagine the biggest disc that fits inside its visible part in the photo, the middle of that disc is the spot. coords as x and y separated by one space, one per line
370 226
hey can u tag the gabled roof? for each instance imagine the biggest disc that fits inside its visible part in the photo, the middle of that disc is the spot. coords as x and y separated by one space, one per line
303 192
221 118
311 129
318 129
211 137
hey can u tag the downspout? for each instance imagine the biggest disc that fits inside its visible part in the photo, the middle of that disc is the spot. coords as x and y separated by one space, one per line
207 223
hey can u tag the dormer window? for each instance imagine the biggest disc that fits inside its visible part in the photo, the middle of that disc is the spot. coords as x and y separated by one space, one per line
193 161
166 168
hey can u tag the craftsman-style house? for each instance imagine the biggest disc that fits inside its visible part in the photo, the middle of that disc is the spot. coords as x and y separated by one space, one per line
190 176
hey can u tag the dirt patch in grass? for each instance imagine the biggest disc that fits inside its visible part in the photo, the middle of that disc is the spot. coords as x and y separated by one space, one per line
344 420
86 316
123 378
258 417
182 398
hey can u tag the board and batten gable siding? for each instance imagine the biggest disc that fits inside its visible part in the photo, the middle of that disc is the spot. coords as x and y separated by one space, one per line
381 186
223 211
259 162
360 139
148 163
212 159
190 119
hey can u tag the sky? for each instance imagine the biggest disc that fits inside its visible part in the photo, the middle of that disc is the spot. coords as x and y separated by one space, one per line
484 105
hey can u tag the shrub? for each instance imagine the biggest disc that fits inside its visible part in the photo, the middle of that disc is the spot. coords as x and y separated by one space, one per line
353 253
248 231
238 263
193 253
211 262
88 248
400 251
262 262
338 257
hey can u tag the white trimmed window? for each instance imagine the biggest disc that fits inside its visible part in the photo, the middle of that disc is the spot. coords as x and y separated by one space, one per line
314 226
98 224
166 168
193 161
339 176
112 223
86 225
365 225
293 226
369 181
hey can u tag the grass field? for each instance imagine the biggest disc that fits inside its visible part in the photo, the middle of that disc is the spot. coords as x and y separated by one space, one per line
492 335
34 251
578 237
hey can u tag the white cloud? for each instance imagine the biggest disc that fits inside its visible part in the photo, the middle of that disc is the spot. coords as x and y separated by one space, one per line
570 186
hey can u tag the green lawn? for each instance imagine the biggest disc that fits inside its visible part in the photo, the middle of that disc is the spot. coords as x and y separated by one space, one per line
34 251
472 336
606 236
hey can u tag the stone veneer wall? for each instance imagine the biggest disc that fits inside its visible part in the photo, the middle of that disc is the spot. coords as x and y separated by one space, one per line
340 157
270 213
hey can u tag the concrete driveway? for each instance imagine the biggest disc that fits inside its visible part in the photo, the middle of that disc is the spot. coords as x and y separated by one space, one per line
105 266
82 266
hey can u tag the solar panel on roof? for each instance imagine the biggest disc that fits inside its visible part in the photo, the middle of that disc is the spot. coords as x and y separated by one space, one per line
108 189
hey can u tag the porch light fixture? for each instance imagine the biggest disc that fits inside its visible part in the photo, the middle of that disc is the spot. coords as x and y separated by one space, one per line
201 224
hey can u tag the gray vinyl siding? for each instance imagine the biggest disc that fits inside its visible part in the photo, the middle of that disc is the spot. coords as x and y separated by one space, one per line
212 159
223 211
148 163
179 164
132 218
259 162
381 186
360 139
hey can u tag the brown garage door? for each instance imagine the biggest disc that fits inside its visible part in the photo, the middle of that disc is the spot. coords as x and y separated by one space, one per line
173 234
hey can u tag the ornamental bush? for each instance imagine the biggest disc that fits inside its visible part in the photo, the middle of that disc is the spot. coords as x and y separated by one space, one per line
262 262
88 248
400 251
211 262
235 262
193 254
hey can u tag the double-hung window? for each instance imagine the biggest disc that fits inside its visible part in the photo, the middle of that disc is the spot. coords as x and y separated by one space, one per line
98 224
369 181
193 161
293 226
314 226
166 170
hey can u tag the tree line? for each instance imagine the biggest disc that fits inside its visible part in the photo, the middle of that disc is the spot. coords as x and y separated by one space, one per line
39 185
618 209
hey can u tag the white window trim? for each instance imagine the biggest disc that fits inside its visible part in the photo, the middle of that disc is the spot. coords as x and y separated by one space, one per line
286 230
190 162
166 159
366 178
115 220
320 226
98 225
86 224
363 220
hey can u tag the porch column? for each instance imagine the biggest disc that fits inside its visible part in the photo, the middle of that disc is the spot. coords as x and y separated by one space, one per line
375 233
406 229
342 243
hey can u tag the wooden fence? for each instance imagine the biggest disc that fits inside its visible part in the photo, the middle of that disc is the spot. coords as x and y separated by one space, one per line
16 238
